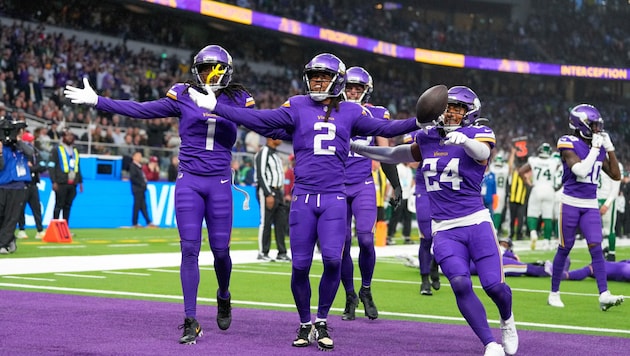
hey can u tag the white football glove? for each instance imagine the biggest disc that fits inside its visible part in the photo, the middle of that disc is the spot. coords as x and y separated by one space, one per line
455 138
597 141
87 95
206 101
608 145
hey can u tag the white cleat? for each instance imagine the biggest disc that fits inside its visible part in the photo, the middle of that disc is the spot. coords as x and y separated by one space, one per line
40 235
509 336
494 349
607 300
22 234
533 236
548 267
554 300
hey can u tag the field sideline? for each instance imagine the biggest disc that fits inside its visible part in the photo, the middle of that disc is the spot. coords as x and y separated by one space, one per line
155 276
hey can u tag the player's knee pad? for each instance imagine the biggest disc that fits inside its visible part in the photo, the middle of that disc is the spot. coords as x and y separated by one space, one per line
221 253
461 285
496 290
331 263
365 239
190 248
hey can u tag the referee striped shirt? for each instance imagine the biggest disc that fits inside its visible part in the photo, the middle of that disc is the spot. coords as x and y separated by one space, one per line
269 170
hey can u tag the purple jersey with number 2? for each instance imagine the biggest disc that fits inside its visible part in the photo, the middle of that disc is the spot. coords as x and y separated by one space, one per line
318 208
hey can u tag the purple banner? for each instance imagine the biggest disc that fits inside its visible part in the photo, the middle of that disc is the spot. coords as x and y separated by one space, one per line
281 24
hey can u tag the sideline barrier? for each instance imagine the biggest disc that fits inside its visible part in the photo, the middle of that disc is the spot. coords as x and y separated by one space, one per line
107 203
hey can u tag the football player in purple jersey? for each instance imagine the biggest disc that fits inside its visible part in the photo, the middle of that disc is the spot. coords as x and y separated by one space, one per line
203 186
453 155
321 125
361 197
615 271
428 266
514 267
585 153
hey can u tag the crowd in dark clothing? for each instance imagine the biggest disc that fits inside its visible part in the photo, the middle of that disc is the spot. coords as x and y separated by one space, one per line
516 105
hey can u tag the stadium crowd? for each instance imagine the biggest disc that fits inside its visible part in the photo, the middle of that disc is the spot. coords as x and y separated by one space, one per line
35 66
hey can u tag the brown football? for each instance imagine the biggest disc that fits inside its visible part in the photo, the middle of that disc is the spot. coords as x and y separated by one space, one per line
431 104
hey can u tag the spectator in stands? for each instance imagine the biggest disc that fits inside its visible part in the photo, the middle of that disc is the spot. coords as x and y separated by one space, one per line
173 168
152 169
252 142
42 142
53 132
247 174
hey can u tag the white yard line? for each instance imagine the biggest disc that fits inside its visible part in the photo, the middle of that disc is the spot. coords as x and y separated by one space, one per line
60 264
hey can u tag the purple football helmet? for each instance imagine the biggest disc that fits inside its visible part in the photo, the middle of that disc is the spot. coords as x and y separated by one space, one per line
586 119
358 75
327 63
463 96
219 61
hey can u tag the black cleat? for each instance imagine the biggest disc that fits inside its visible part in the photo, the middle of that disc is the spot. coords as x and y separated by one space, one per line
365 294
303 336
224 312
435 275
320 333
192 331
425 288
352 301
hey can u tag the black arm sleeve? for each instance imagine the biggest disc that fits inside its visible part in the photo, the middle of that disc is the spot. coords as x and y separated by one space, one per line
391 173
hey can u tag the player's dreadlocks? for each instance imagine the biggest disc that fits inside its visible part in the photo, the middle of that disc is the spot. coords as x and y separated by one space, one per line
334 103
231 90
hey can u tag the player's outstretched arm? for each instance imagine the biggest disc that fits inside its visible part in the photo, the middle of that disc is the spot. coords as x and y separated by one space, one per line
477 150
398 154
87 95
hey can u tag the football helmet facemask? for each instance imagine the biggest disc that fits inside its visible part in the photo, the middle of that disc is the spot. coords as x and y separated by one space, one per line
359 76
466 98
218 62
330 64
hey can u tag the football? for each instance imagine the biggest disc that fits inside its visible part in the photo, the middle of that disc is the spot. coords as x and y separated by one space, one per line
431 104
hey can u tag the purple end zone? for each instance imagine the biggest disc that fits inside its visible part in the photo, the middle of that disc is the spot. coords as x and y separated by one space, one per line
56 324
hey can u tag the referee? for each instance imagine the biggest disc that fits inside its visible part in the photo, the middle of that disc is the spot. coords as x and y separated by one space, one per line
270 193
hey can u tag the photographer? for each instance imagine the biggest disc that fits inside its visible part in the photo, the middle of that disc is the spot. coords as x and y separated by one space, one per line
14 175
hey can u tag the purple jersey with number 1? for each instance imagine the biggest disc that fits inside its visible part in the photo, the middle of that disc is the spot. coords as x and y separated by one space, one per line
203 186
207 139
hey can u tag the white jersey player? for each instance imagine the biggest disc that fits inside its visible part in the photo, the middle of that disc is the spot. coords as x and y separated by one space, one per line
607 192
543 168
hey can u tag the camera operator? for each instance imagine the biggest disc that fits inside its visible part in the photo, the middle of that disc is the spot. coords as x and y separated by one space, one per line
14 175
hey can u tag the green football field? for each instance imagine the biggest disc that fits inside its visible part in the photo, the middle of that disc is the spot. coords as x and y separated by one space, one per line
38 266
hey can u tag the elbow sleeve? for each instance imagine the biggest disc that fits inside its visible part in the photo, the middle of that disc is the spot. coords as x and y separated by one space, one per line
477 150
584 167
391 155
